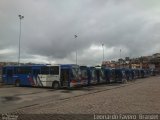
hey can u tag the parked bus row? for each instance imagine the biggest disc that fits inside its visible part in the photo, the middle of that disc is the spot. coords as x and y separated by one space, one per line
68 75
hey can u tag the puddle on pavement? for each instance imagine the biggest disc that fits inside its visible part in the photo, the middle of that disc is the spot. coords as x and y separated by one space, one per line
6 99
66 91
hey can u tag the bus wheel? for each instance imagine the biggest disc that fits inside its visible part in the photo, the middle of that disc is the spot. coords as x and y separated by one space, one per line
124 81
55 85
17 83
110 81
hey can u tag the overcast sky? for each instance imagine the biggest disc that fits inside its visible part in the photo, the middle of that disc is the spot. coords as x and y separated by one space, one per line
49 26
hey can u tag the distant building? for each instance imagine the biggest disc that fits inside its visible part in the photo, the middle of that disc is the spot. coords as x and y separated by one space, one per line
152 62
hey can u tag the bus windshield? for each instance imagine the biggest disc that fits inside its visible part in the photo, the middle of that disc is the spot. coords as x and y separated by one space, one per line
93 73
75 72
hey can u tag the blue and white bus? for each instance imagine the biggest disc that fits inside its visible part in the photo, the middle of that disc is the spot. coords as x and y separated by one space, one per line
120 75
55 76
85 75
100 75
70 75
32 75
93 77
109 75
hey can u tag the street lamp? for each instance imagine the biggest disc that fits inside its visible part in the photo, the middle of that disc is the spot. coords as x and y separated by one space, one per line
103 51
20 17
120 53
75 36
120 58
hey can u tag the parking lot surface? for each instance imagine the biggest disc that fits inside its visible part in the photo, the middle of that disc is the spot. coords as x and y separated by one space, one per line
139 96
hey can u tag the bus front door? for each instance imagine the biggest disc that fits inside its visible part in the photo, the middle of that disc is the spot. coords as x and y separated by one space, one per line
65 77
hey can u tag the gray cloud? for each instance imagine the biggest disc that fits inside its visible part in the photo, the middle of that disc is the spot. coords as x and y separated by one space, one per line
49 27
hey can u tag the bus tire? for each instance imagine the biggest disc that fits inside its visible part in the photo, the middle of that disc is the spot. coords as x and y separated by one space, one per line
108 81
124 81
55 85
17 83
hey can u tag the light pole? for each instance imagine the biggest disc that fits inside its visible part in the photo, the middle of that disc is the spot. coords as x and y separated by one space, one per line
120 58
75 36
120 53
103 51
20 18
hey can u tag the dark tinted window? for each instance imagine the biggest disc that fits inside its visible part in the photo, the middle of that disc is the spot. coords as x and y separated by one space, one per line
84 73
22 70
9 72
16 70
4 71
113 73
36 71
54 70
45 70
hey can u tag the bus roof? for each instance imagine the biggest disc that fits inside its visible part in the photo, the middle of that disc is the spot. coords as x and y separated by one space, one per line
68 65
38 65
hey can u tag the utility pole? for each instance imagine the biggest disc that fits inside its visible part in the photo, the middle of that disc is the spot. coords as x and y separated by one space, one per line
120 58
75 36
103 51
19 55
120 53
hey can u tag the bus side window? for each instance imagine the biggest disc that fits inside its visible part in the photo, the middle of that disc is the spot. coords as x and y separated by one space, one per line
22 70
113 74
95 74
54 70
4 71
36 71
16 70
45 70
102 74
9 72
84 73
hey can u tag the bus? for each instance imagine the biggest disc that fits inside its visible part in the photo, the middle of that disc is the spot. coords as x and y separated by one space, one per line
120 75
54 76
32 75
109 75
148 72
85 75
100 75
142 73
129 73
93 78
70 76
